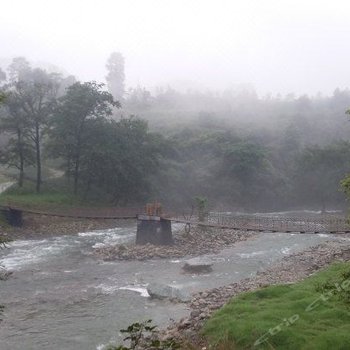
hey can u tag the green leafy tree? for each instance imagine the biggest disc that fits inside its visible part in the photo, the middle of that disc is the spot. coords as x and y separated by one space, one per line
2 76
202 207
319 172
73 121
18 151
33 97
244 169
120 159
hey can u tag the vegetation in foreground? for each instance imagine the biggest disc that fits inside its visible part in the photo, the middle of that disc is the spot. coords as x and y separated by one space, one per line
139 336
312 314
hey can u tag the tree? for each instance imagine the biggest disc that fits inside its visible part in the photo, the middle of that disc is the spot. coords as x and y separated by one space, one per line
83 105
18 69
245 169
120 158
116 76
13 121
2 76
34 92
2 97
319 172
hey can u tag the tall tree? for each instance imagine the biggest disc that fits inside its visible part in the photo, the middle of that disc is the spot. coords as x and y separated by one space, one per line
75 111
120 159
34 91
18 69
13 121
116 75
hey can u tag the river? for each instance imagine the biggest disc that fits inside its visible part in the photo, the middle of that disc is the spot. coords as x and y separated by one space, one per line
61 297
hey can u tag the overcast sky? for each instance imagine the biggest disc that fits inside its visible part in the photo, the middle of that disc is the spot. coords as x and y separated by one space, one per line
277 46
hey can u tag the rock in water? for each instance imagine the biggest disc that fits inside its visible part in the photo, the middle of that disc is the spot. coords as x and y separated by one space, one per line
165 291
4 274
198 265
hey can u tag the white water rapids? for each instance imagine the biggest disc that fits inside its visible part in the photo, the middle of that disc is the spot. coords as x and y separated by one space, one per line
61 297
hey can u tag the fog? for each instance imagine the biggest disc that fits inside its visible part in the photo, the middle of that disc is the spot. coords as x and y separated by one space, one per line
239 102
290 47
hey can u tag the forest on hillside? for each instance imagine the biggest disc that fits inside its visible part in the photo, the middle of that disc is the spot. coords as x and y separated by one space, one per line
130 146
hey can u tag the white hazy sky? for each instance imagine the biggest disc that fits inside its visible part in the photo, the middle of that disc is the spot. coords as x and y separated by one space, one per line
276 45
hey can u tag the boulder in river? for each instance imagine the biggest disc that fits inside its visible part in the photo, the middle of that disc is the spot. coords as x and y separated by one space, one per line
4 274
198 265
165 291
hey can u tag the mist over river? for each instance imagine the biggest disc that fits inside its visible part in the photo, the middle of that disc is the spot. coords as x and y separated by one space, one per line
61 297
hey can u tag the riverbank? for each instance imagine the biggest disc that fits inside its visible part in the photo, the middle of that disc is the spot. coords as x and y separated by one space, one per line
198 242
291 269
39 226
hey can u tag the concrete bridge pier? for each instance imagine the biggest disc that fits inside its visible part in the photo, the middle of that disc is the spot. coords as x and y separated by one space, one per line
154 230
13 216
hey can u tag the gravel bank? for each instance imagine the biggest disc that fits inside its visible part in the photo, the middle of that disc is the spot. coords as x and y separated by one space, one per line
36 226
291 269
198 242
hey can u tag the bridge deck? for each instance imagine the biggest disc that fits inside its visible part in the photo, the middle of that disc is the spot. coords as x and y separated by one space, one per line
306 224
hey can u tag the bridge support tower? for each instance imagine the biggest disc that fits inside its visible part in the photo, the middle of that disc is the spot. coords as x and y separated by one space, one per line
154 230
12 216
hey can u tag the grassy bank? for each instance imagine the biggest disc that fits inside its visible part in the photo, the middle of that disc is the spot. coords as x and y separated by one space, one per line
313 314
54 193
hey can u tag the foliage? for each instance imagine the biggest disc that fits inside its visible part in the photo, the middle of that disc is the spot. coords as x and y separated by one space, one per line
241 151
345 183
331 286
140 335
287 316
320 170
18 152
75 122
55 193
202 207
120 160
2 97
32 93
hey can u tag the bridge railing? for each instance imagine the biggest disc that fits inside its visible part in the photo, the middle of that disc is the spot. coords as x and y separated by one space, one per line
327 223
319 223
83 212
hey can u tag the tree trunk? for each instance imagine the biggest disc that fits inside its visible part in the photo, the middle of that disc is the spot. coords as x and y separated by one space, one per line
76 174
21 158
38 158
68 172
77 165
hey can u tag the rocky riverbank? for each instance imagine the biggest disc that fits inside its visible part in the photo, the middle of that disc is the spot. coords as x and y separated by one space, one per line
36 226
291 269
197 242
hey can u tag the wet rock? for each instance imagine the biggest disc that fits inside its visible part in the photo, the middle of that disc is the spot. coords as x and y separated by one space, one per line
198 265
195 244
165 291
4 274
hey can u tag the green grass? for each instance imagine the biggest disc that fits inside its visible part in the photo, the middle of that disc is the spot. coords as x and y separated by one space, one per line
283 311
54 193
4 178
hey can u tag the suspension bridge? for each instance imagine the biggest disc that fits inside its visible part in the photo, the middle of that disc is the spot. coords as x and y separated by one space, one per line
247 222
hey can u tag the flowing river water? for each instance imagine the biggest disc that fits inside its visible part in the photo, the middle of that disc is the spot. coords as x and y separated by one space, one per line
61 297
